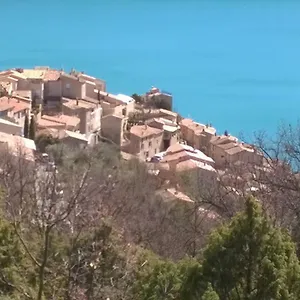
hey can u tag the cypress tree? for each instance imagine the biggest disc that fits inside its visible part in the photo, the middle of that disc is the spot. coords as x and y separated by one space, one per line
26 126
32 128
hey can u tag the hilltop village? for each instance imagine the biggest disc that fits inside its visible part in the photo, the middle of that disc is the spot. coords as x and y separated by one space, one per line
77 109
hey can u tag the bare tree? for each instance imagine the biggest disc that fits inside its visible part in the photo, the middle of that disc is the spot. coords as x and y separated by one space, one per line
40 199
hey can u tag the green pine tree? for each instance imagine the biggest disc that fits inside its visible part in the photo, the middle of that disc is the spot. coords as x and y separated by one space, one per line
26 126
250 259
32 128
158 279
210 294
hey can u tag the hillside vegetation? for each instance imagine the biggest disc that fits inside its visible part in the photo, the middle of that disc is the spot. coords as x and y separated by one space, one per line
99 227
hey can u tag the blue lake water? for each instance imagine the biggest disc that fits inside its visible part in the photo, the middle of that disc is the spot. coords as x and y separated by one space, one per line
234 64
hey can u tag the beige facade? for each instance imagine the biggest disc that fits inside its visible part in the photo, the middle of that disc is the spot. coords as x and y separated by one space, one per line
145 141
171 131
196 134
181 158
90 114
72 87
112 109
227 150
33 82
93 85
127 103
113 127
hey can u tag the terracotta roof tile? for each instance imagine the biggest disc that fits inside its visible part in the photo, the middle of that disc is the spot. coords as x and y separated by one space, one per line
13 104
52 75
75 104
44 123
6 106
145 131
63 119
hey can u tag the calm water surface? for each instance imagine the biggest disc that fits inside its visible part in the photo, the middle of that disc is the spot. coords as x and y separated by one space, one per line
234 64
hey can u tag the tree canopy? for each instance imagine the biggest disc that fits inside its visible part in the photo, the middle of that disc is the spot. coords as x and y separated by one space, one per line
251 259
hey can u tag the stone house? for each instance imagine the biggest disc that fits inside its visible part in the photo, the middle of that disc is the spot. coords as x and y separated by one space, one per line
112 109
93 85
183 159
227 150
113 128
145 141
15 108
126 102
89 112
196 134
171 130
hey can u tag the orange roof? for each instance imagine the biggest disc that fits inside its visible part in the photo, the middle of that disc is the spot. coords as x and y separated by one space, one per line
44 123
6 106
144 131
75 104
52 75
19 107
63 119
13 104
175 156
175 148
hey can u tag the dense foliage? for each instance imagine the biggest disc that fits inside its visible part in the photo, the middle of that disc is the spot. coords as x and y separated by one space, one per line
95 227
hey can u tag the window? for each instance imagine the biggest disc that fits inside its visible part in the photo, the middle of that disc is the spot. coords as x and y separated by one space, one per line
142 146
68 85
146 153
150 143
155 151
